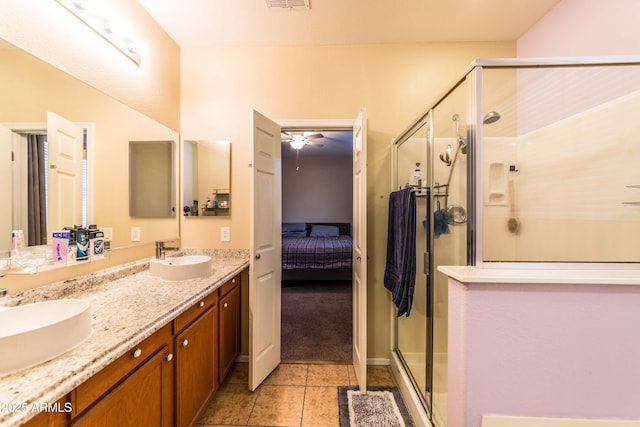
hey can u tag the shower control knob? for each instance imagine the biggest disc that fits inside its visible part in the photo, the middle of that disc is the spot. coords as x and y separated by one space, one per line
257 256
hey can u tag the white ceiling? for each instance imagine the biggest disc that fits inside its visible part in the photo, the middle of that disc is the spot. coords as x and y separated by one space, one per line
249 22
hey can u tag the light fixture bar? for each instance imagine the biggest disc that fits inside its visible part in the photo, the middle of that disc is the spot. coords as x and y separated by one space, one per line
102 25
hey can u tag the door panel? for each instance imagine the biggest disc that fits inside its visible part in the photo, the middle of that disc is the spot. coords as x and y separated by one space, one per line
64 204
6 180
266 249
360 249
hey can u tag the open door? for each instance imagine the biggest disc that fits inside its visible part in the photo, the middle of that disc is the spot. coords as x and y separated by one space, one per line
66 145
360 249
6 180
265 250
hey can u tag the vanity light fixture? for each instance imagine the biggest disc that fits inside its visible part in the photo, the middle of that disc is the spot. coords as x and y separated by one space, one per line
105 27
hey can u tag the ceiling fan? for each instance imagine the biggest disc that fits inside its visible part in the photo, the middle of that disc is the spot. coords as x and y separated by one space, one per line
297 140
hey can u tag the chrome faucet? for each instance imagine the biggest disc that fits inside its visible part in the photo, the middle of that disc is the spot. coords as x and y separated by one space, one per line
161 248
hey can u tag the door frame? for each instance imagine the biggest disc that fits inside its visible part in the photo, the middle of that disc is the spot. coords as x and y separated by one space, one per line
318 125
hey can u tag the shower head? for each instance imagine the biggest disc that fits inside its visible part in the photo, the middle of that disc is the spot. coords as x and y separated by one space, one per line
491 117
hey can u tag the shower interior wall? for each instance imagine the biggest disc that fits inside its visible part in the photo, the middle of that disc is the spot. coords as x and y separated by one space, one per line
570 135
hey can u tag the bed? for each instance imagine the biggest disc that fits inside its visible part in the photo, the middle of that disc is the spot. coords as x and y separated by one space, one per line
316 251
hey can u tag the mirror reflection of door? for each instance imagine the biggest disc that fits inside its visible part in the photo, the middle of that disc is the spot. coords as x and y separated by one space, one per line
45 176
6 213
65 153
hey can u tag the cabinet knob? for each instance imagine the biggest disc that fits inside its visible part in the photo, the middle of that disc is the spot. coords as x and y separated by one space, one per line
169 357
225 305
201 304
185 343
233 280
137 353
257 256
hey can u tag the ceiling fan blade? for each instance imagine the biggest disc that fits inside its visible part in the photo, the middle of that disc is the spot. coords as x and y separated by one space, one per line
313 135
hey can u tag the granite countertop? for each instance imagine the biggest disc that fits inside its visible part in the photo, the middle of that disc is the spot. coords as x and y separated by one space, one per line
127 306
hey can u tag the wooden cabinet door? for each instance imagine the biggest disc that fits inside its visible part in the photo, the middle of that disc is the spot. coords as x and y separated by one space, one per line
196 367
229 330
145 398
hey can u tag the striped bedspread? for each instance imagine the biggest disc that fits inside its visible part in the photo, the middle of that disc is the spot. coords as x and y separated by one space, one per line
316 252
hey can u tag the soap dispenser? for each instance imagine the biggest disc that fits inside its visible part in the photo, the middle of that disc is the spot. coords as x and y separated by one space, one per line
416 177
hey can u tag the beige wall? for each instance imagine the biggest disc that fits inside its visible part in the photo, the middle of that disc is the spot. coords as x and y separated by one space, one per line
395 83
321 190
47 30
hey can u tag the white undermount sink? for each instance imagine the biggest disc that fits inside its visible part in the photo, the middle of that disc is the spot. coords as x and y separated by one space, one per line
181 268
34 333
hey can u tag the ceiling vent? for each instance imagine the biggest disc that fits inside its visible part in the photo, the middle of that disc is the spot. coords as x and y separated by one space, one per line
289 4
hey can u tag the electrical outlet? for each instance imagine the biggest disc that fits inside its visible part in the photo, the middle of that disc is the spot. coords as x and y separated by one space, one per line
225 234
108 232
135 234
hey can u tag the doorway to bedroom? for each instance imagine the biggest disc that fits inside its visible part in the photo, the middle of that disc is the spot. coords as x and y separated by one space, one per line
317 213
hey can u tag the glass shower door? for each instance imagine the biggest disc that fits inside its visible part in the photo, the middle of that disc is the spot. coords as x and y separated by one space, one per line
413 336
449 154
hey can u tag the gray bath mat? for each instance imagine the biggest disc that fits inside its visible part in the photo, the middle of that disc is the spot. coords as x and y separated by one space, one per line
380 406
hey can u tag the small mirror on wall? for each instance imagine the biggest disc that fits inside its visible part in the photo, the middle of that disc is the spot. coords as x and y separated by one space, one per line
151 183
206 178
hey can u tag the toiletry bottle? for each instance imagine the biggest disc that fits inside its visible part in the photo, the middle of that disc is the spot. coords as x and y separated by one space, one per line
416 176
17 242
96 242
208 202
73 249
82 242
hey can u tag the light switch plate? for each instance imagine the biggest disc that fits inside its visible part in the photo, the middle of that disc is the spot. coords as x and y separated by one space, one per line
135 234
225 234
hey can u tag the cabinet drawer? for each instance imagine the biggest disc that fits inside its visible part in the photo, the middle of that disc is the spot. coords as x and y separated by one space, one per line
228 286
195 311
89 391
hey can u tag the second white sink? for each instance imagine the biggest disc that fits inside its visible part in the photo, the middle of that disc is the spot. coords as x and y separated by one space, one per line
34 333
181 268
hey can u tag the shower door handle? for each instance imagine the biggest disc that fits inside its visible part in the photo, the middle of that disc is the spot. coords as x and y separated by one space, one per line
426 263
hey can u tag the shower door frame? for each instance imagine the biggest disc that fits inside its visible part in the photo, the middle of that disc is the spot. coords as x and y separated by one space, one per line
472 77
426 120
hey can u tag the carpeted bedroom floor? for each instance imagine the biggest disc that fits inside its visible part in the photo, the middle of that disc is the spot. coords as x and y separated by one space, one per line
317 321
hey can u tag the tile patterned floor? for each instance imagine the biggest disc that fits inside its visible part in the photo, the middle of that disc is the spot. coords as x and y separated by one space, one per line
294 395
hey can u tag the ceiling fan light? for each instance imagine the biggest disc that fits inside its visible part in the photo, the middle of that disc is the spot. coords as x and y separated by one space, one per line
298 141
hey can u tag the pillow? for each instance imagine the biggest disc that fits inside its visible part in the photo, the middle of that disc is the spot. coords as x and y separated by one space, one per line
294 226
324 231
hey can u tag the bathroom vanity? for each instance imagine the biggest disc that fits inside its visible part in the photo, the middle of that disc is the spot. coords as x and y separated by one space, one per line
158 352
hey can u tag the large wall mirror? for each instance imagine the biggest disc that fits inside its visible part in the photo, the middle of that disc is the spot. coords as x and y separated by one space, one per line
206 178
30 90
